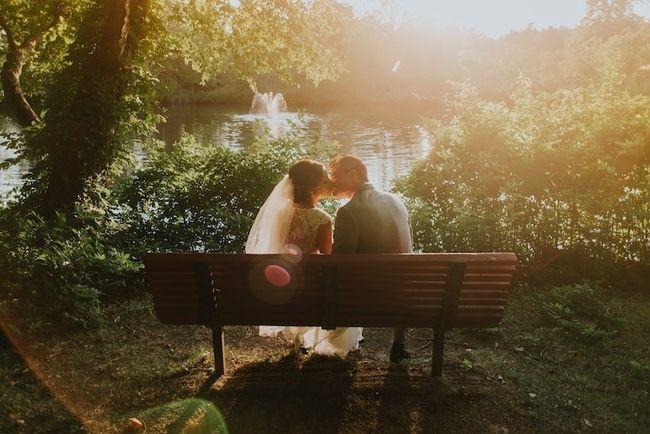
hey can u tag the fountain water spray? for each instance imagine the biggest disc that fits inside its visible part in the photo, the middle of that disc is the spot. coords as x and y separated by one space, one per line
268 103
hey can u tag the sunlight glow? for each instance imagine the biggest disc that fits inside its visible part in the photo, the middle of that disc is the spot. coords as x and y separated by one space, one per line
495 18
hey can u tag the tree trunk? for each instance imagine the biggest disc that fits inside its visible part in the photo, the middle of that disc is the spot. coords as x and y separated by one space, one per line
80 134
10 76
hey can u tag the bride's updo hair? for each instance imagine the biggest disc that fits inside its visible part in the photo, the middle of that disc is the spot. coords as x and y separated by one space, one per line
305 176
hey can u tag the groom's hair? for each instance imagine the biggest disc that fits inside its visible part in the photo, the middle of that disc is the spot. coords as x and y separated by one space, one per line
348 162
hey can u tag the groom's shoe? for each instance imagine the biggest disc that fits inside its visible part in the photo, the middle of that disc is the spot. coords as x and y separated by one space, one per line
398 353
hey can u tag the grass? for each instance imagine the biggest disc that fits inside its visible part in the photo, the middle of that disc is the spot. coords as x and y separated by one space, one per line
566 359
587 366
25 404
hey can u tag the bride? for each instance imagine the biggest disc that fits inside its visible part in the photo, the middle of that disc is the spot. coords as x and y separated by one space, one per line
290 219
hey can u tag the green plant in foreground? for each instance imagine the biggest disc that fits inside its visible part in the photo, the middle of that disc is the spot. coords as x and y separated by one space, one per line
202 197
583 310
57 274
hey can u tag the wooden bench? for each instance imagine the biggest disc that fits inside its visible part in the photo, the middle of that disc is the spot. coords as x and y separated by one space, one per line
440 291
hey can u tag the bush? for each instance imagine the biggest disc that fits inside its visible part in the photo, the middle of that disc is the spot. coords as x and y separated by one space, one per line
565 172
202 197
584 310
55 274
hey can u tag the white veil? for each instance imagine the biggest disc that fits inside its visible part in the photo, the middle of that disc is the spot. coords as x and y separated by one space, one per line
271 228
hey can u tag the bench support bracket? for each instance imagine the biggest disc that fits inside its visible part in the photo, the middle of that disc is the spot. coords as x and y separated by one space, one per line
209 302
328 286
449 307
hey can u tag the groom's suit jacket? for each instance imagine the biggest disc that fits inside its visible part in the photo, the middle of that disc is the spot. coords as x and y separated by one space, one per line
373 221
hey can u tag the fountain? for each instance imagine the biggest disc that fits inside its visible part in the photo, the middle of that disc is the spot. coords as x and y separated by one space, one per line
268 103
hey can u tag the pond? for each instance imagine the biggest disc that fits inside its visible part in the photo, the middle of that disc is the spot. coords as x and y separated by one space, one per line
389 140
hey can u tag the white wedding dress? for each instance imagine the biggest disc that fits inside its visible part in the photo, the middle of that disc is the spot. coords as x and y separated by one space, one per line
278 226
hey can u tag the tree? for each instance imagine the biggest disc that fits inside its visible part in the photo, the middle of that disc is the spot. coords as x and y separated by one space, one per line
24 24
603 11
79 139
286 38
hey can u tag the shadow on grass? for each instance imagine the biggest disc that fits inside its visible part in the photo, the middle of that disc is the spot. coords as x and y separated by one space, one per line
409 402
294 394
393 413
291 395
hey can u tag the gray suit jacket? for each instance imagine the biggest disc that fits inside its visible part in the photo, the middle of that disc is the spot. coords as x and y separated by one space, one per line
373 221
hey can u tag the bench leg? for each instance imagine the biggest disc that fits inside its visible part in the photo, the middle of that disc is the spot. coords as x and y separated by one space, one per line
218 344
437 352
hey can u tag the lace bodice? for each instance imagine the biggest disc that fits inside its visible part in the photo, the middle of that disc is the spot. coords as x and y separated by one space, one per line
304 228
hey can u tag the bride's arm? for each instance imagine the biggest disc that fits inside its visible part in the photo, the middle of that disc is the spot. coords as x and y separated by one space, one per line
324 237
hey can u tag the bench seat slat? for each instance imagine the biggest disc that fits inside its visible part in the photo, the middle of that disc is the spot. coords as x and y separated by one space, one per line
348 307
485 286
415 310
265 318
244 290
169 308
353 321
378 277
315 312
379 288
390 269
166 274
487 277
171 286
424 278
490 269
473 301
410 297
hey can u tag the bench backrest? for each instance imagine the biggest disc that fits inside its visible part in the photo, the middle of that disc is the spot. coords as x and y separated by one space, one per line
371 290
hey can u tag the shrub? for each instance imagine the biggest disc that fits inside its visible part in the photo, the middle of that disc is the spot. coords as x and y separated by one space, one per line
55 274
564 172
202 197
583 310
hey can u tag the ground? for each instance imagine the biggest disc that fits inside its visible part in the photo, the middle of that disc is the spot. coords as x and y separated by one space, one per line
534 373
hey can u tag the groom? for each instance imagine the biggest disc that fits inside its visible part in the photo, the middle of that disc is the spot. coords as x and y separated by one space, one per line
372 221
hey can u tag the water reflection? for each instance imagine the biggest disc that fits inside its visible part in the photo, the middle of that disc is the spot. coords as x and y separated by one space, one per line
389 142
11 177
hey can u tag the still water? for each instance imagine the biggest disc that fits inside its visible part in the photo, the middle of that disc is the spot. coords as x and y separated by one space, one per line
388 140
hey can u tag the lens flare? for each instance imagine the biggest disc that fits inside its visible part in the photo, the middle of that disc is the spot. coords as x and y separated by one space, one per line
277 275
294 254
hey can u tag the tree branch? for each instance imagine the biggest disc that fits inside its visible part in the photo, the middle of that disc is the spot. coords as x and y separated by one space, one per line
34 39
11 38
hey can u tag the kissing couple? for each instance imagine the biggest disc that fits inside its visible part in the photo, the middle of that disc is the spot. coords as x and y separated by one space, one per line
372 221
